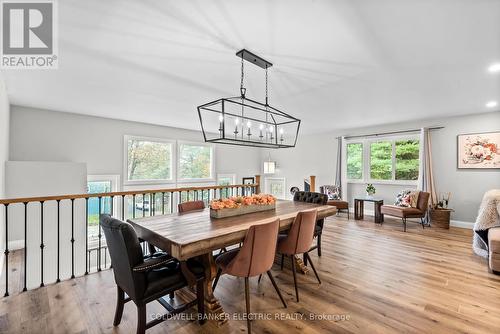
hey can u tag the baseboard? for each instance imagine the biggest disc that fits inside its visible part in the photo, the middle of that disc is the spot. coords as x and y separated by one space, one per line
454 223
462 224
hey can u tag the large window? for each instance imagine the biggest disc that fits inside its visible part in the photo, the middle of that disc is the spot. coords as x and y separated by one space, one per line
148 160
195 161
355 161
276 187
381 160
389 160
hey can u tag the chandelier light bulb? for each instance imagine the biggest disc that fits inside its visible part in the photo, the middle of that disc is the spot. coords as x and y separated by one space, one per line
261 126
249 124
236 121
282 131
221 118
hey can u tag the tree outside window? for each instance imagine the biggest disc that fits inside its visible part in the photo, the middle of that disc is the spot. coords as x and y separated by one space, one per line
355 161
148 160
381 160
407 159
195 161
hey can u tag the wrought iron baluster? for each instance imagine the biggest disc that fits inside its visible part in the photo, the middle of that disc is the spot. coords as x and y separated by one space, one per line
6 252
58 239
123 207
26 246
144 205
111 209
133 206
152 199
99 236
72 238
163 203
42 246
87 264
171 199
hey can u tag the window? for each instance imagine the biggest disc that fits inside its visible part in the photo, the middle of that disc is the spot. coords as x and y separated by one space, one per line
148 160
381 160
407 159
100 184
195 161
393 159
355 161
276 187
226 180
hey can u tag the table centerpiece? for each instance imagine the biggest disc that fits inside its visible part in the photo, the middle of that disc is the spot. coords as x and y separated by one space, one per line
240 205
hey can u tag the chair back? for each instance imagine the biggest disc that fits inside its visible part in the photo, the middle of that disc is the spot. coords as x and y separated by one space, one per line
126 253
301 234
191 206
423 201
310 197
256 256
332 191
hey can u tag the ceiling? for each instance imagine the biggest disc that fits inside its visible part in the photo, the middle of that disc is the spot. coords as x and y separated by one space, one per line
338 64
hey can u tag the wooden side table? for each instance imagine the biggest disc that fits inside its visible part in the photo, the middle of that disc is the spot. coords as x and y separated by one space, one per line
440 217
359 204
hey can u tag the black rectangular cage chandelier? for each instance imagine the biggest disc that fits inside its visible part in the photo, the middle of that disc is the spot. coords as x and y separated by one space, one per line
242 121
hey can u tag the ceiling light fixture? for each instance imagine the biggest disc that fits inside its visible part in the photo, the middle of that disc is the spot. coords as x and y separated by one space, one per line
494 68
231 120
491 104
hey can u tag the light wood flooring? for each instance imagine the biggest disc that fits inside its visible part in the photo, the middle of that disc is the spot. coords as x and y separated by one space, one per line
376 279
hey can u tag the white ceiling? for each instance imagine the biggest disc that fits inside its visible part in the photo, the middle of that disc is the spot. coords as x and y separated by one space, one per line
338 64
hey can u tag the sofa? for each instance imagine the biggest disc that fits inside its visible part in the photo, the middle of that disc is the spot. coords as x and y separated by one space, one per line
494 249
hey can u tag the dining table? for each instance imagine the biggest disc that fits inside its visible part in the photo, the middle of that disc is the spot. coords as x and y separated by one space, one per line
195 234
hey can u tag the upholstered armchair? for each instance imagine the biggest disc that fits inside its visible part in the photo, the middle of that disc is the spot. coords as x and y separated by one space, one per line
335 198
409 212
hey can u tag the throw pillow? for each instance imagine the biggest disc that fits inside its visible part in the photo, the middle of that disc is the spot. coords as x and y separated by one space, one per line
403 199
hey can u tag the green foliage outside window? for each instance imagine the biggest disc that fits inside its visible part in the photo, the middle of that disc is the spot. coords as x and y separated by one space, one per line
407 159
381 160
149 160
354 161
195 162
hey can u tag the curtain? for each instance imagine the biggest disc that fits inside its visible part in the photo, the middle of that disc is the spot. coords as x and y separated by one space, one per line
338 172
426 177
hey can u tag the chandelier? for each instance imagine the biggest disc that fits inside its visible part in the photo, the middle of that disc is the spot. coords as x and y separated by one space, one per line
243 121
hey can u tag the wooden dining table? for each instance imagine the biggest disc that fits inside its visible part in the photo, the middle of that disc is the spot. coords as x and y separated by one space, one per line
196 235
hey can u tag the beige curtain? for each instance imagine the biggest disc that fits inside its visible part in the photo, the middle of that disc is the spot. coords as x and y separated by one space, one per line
426 177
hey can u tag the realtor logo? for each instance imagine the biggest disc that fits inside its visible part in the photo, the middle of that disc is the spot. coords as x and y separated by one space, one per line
28 35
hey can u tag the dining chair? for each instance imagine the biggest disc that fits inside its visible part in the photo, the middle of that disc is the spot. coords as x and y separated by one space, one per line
147 280
191 206
316 198
255 257
298 241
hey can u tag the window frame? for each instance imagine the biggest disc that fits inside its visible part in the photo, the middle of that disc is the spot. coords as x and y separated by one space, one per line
115 187
367 159
173 158
212 178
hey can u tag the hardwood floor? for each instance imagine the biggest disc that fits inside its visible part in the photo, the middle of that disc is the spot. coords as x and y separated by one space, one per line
379 279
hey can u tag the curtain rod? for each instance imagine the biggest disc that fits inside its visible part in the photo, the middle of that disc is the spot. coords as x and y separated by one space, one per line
390 133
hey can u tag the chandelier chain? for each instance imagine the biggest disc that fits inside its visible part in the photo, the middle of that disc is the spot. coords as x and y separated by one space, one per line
267 102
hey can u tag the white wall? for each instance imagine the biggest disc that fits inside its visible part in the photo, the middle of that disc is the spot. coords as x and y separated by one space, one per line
316 155
4 155
43 135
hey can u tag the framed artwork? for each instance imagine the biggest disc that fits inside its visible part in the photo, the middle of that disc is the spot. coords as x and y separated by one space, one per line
478 150
248 180
276 187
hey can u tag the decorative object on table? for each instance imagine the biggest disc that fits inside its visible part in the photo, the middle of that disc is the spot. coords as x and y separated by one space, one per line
479 150
444 200
404 212
293 190
487 218
440 217
370 190
334 198
242 121
248 180
235 206
359 207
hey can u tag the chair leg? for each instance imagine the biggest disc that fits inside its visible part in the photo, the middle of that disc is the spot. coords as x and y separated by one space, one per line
404 224
141 319
294 277
247 300
120 302
348 214
304 258
171 295
276 287
312 266
200 296
319 244
260 277
423 223
216 280
282 260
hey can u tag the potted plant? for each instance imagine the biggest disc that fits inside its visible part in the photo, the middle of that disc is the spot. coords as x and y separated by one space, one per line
370 190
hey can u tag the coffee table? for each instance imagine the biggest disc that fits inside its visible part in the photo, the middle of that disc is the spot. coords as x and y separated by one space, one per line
359 204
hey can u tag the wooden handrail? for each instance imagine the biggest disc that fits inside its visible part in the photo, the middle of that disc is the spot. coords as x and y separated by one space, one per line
121 193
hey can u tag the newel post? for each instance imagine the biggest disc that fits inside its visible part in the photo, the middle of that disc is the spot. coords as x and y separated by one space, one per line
313 183
257 181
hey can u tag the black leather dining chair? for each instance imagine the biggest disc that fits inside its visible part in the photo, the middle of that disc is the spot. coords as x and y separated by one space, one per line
316 198
147 279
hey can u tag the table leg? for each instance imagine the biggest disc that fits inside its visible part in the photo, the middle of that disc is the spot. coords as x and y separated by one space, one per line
213 307
379 217
356 209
